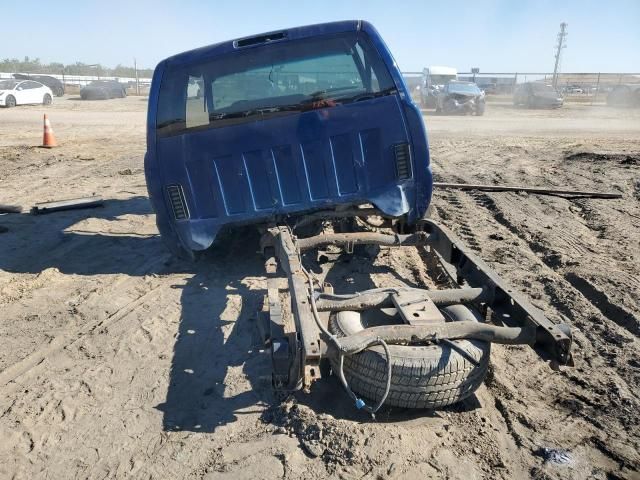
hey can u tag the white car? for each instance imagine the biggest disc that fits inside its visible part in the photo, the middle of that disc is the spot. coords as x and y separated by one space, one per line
24 92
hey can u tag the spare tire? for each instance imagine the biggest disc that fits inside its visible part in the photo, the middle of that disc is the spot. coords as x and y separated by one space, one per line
430 376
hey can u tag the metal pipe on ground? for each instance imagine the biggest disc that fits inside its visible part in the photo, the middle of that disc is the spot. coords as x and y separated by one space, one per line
536 190
73 204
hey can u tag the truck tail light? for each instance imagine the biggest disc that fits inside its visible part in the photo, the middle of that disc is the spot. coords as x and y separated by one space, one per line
403 161
178 204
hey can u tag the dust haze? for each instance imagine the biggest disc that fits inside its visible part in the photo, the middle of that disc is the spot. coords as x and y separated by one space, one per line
120 361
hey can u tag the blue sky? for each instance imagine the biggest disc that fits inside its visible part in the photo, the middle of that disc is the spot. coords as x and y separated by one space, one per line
494 35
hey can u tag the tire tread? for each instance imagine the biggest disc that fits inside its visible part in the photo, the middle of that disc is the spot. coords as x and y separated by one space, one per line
439 376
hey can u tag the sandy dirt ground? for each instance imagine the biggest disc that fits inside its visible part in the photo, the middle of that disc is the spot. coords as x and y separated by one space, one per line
119 361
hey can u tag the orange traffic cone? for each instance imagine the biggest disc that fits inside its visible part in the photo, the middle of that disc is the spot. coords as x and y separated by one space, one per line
49 139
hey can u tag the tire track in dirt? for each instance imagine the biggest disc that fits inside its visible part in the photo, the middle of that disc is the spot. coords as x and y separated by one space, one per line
18 369
601 301
94 409
454 209
62 403
549 255
611 234
593 415
555 259
133 395
458 219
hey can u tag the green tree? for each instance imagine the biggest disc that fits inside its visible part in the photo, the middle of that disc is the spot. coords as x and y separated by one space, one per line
28 65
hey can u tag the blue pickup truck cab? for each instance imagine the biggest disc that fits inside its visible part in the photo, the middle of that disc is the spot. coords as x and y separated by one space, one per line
264 128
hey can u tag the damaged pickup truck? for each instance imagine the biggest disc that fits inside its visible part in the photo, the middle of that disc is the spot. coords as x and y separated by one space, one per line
460 98
310 135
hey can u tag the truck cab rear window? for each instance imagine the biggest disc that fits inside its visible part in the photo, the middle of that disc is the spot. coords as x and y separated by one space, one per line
272 80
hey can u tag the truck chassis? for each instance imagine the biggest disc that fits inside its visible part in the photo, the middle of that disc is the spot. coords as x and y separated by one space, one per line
295 325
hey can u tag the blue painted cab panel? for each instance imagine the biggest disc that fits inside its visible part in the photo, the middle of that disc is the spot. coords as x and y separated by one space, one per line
259 170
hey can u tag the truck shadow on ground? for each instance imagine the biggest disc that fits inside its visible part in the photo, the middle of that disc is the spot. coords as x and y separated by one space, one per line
60 240
213 378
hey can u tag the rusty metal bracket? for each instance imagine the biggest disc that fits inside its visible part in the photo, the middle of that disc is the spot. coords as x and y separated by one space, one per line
416 309
304 360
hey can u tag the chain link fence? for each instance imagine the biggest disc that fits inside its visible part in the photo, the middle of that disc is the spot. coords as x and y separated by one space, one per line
582 86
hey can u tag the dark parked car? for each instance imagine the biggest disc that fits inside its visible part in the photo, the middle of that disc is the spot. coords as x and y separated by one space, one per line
624 96
537 95
56 86
103 90
460 98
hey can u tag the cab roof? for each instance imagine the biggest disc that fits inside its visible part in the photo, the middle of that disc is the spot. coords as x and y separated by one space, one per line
253 41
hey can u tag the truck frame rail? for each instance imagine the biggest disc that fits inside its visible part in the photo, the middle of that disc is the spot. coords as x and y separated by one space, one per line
300 341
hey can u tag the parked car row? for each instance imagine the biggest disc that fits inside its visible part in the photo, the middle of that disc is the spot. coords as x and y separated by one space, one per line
586 89
540 95
458 97
56 86
39 89
103 90
24 92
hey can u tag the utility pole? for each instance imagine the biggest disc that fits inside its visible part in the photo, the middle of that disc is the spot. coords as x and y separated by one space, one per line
135 67
561 44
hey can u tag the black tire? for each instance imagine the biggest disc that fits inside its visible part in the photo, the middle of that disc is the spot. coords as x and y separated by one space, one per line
480 110
10 101
46 100
432 376
59 91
